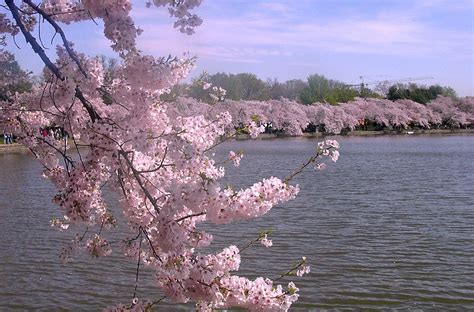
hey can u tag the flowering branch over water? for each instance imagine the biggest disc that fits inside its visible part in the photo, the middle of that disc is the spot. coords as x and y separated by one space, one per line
156 162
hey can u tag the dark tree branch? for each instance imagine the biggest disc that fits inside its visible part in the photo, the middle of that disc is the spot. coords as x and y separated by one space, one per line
31 40
190 216
42 54
87 105
151 245
59 30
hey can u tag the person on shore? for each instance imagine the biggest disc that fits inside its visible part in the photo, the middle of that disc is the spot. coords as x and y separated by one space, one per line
57 134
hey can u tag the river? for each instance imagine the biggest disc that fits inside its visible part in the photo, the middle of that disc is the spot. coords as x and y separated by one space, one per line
389 226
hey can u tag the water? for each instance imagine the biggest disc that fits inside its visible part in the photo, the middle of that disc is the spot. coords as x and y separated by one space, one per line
390 226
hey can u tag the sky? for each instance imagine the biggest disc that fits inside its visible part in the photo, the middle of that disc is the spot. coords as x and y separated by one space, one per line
348 40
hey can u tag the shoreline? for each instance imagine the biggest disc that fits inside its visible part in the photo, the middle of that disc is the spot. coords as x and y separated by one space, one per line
362 133
15 147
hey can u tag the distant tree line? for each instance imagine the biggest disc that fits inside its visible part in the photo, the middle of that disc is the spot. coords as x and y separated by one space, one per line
420 94
248 87
316 89
244 87
12 78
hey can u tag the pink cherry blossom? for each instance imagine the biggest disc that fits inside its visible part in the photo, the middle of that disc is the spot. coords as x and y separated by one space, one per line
157 158
235 158
265 241
303 270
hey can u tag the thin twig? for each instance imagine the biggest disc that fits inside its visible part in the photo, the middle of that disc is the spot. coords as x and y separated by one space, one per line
299 170
190 216
296 267
138 264
151 245
157 301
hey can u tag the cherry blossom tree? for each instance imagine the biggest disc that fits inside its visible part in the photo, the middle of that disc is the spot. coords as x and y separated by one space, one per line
453 113
293 118
158 160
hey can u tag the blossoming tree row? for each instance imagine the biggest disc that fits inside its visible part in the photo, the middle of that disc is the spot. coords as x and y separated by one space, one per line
293 118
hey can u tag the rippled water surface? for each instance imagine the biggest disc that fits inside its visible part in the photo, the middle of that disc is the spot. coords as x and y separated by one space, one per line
390 226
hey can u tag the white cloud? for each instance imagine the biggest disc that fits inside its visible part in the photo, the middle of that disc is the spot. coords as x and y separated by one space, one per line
445 4
257 35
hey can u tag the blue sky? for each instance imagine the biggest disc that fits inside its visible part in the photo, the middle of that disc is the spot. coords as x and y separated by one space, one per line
342 39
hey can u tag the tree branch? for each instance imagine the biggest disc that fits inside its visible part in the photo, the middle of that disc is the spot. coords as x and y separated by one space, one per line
58 29
87 105
190 216
136 174
31 40
42 54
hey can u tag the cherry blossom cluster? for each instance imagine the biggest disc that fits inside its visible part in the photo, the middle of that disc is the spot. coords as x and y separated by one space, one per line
265 241
216 93
159 162
118 25
236 157
7 26
185 21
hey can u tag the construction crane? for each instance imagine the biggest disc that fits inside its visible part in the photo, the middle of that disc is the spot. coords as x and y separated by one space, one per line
392 81
383 84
